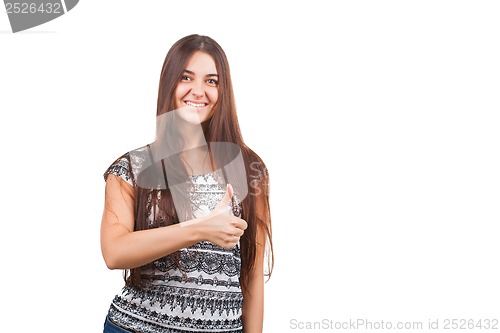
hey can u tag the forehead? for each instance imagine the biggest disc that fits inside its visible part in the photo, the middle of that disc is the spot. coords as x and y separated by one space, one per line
201 63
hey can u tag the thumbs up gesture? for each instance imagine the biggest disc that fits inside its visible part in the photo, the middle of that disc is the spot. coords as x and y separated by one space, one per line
220 226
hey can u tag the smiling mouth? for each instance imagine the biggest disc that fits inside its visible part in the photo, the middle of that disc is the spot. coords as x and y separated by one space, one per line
195 105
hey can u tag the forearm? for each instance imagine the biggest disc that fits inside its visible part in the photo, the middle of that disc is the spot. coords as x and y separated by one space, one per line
133 249
253 305
123 248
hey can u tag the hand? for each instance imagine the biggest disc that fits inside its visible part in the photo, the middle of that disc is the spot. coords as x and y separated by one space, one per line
224 229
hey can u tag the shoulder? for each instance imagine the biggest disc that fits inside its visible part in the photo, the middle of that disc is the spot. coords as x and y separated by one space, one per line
125 165
257 169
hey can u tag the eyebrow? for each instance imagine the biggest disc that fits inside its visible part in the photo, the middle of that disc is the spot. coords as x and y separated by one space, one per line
192 73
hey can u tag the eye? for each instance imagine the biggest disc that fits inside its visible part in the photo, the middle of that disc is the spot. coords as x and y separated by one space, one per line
185 78
212 82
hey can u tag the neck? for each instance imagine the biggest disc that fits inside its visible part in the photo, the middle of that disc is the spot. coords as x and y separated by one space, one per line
197 160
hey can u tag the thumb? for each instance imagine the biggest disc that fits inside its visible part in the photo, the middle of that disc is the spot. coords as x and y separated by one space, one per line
226 199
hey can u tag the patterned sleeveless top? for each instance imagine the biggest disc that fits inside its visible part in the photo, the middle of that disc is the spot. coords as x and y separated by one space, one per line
205 296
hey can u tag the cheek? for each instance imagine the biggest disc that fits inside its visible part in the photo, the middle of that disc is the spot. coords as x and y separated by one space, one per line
180 92
214 95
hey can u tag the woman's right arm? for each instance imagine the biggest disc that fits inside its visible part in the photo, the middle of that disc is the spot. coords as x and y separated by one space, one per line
124 248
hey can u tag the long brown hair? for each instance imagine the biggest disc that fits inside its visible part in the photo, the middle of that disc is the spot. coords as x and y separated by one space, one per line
222 126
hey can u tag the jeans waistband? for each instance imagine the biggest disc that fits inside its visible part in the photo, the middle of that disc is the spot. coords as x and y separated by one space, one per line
111 326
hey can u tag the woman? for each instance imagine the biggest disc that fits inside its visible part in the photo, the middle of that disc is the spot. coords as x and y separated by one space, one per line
187 217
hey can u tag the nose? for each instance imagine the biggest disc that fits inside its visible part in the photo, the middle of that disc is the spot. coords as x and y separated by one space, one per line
197 90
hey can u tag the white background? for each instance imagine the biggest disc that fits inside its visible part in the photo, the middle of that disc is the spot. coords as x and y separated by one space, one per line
378 121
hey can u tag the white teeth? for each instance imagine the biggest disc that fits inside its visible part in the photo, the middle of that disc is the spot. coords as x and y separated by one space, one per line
195 104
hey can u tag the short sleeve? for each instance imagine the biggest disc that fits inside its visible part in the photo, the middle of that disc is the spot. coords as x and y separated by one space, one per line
120 168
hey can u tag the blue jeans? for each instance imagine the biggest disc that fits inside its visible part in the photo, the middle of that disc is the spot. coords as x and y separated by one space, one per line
111 327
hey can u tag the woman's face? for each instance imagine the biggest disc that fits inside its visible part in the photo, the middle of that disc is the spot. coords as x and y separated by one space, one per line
197 92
